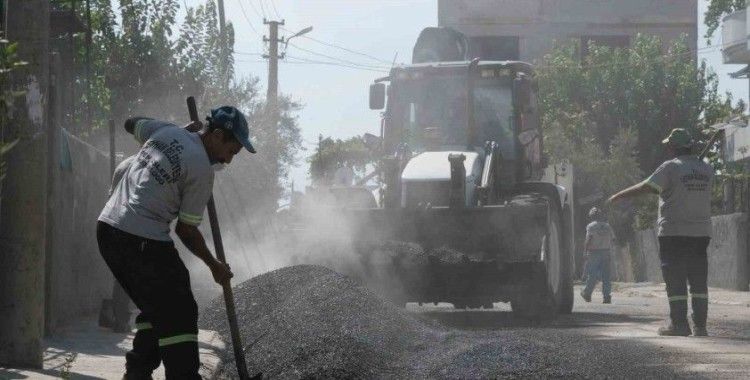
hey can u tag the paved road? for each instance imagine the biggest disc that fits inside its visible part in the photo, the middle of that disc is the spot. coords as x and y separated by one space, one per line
597 340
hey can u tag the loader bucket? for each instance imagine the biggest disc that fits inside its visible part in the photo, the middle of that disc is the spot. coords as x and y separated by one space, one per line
503 233
466 253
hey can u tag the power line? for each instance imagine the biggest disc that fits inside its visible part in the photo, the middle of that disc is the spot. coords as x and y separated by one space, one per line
276 11
246 53
244 14
344 49
339 59
302 60
252 5
262 8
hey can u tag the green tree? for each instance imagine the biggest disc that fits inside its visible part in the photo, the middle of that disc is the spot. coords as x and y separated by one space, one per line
332 154
608 112
9 62
717 9
145 62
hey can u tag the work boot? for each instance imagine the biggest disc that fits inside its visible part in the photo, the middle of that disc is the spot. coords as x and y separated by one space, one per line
131 375
586 297
607 299
700 331
673 329
122 328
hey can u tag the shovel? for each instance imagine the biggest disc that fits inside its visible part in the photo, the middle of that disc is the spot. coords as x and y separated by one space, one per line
239 353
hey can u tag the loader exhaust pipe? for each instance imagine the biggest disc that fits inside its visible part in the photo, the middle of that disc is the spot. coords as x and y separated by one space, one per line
471 124
457 195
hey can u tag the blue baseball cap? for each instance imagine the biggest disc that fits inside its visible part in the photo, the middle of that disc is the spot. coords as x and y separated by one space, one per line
231 119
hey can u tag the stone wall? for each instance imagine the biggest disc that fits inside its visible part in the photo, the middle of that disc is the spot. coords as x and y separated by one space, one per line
727 253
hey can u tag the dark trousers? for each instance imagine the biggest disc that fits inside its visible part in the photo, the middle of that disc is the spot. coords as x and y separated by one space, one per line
684 261
121 307
155 278
598 268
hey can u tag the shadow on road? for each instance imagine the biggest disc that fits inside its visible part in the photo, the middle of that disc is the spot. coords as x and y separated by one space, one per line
498 320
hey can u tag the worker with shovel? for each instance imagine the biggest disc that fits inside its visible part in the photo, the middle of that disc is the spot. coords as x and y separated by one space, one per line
171 178
684 186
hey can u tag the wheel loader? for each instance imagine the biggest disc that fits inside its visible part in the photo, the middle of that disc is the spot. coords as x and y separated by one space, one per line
460 182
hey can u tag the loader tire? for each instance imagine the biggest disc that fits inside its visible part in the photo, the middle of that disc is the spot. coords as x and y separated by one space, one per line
548 282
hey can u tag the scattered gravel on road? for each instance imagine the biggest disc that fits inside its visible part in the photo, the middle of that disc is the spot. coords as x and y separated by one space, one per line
309 321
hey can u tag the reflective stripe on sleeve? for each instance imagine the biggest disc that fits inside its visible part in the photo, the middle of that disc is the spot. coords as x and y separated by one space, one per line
700 295
652 185
190 219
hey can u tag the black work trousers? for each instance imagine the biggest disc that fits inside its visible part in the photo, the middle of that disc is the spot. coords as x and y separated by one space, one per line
684 261
153 275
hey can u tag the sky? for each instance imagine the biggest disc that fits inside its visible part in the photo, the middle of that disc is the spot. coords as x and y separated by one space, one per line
335 98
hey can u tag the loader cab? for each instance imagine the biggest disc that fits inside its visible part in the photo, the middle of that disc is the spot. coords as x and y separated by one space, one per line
426 110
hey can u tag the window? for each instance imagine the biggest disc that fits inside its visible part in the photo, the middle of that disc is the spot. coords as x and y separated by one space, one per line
499 48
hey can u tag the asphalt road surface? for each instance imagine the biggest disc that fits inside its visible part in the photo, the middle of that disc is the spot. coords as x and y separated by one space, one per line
596 341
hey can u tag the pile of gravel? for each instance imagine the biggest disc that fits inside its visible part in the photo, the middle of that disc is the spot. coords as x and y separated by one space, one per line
309 321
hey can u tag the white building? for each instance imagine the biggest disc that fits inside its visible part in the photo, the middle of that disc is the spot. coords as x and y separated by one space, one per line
735 48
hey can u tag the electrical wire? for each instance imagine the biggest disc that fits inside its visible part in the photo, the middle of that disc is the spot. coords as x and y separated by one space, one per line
303 60
252 5
338 59
262 8
244 14
246 53
342 48
275 11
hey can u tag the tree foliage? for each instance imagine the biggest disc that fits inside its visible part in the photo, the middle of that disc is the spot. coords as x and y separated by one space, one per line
9 62
608 112
333 154
146 61
717 9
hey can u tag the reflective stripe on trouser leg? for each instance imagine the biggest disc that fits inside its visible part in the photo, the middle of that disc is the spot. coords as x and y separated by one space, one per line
143 326
144 358
170 340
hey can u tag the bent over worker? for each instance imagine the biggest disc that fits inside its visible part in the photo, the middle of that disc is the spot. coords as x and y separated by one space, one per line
684 186
599 243
171 178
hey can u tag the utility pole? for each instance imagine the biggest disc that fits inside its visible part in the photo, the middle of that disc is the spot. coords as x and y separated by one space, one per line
224 53
272 95
88 64
24 192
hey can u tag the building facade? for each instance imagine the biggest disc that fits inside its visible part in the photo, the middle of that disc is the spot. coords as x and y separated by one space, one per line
528 29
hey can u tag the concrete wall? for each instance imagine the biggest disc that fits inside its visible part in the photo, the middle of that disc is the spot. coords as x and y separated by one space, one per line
648 249
77 276
727 253
622 265
538 23
24 195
